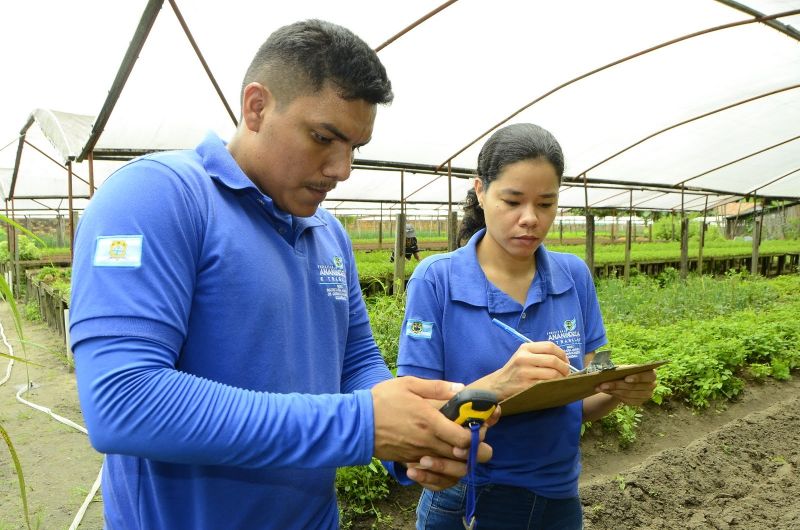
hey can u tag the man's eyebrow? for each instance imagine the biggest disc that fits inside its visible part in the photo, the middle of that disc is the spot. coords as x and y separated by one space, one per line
339 134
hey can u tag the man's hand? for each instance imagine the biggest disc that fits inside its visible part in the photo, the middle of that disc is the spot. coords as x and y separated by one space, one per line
441 473
409 429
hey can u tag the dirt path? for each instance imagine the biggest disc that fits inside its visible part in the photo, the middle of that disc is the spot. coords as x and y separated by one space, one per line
58 463
742 475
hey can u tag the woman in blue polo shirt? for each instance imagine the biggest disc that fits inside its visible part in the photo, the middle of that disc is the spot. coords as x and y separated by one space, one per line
503 271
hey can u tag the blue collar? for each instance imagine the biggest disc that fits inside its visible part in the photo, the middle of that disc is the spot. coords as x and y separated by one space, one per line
221 167
469 284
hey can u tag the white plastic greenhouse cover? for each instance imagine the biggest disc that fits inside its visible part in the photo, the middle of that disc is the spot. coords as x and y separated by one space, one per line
657 104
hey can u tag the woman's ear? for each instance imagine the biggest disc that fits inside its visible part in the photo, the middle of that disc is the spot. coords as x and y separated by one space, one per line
257 102
478 186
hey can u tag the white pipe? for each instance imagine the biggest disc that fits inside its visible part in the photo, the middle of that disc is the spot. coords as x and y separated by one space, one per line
79 516
24 388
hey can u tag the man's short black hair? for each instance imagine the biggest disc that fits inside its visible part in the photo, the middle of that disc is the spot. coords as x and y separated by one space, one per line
299 59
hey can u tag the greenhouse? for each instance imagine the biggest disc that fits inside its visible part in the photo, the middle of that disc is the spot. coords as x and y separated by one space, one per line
681 189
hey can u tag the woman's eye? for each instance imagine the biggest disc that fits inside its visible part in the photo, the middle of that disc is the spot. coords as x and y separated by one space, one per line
546 205
511 203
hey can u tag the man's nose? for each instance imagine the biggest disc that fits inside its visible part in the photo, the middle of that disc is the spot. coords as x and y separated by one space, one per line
339 165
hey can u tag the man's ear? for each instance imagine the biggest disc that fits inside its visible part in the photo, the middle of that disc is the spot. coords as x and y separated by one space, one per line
257 101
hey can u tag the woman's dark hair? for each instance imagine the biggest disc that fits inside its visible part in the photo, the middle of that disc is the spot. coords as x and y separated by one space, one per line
299 59
512 143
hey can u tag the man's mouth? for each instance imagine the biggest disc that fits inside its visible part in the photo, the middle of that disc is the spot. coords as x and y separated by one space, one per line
321 189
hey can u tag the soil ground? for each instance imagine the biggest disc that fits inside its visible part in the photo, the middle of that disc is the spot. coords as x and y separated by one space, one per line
731 467
58 463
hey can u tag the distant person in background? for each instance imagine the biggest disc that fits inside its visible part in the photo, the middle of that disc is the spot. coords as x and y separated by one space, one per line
505 272
223 352
411 246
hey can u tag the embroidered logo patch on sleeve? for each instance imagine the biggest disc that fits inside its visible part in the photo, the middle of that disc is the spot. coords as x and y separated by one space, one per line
419 329
118 251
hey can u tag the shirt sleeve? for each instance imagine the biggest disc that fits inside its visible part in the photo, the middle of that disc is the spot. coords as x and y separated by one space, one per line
421 351
128 325
135 402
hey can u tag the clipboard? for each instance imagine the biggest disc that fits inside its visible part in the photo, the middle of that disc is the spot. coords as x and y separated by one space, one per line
558 392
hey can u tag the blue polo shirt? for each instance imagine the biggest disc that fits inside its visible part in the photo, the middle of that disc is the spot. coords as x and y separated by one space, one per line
223 349
448 334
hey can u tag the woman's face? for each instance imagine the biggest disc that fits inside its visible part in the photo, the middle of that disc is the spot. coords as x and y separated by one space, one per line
519 206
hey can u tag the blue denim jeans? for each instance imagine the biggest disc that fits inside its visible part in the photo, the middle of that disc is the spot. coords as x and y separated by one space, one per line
498 508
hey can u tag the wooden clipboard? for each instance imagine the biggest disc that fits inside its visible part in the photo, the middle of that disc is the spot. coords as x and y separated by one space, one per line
558 392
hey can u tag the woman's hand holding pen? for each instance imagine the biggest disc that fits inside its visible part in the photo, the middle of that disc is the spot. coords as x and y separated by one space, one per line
531 363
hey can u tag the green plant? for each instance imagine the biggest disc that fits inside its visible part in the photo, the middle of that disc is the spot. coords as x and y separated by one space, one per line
28 249
700 326
624 420
32 311
386 318
759 371
780 369
18 467
358 487
57 278
668 277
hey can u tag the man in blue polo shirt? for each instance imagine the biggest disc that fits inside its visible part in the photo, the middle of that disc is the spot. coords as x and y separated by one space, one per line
224 356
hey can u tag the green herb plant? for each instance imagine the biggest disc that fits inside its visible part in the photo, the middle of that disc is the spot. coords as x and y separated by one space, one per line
358 487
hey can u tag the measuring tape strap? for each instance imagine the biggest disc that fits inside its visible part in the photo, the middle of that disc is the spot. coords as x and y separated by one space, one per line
470 523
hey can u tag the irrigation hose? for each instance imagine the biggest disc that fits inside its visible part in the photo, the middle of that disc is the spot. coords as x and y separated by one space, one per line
10 350
24 388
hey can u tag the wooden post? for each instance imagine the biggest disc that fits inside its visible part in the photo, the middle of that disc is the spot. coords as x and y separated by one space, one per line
59 230
702 239
628 240
452 231
399 283
380 228
614 227
452 217
756 244
72 220
702 243
684 247
628 231
590 242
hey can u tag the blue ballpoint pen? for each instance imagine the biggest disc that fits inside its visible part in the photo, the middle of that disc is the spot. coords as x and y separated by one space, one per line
522 338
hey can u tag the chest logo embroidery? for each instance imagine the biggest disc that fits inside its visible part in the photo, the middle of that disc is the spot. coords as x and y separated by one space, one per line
333 279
